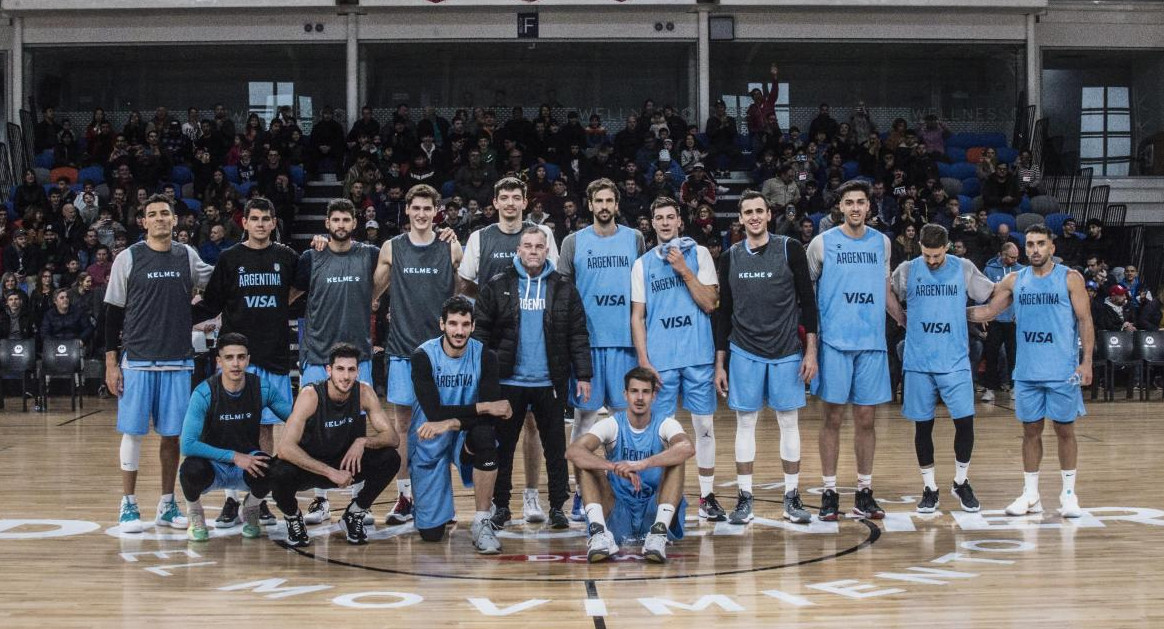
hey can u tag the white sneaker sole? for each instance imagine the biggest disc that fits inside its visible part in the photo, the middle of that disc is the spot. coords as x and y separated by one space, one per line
1037 507
228 525
963 505
744 520
174 524
928 509
132 526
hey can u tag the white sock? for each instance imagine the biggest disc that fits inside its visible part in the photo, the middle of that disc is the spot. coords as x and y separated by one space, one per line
928 478
665 514
531 491
232 494
321 493
829 482
706 485
792 482
960 471
250 501
166 498
131 498
405 487
594 514
745 482
194 506
1031 484
864 481
480 516
1068 481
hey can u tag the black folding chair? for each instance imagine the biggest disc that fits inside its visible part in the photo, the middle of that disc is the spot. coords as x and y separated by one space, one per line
17 360
1150 353
1115 350
62 359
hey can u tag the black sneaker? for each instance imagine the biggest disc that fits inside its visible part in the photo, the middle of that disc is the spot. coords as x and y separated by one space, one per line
297 531
228 518
929 501
501 516
830 505
742 514
965 496
266 518
710 510
865 506
558 519
353 520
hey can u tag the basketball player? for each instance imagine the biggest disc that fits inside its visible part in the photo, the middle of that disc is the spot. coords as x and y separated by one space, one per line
324 444
147 308
598 260
489 251
674 289
850 264
457 399
765 295
222 433
638 482
1052 318
934 288
419 271
337 281
251 288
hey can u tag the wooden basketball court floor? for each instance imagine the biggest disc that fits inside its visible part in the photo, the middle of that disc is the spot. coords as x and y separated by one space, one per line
64 563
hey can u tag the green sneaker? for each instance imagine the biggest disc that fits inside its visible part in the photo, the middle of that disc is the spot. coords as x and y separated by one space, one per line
250 516
197 531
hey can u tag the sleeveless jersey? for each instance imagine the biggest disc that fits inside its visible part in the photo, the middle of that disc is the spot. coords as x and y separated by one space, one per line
339 302
602 271
232 422
334 426
936 338
457 379
851 291
1045 330
497 251
158 289
765 315
678 332
636 446
422 279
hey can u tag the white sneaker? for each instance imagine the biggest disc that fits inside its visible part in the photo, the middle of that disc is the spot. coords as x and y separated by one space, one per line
531 507
1024 505
655 546
987 395
170 515
601 545
319 511
130 519
1069 506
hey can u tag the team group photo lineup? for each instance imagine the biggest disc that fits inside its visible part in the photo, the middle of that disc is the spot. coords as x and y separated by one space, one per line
353 349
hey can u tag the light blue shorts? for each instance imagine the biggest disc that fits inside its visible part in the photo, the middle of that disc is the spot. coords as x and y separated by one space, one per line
1059 402
853 377
631 517
310 374
751 382
696 385
922 390
400 389
280 384
606 386
160 396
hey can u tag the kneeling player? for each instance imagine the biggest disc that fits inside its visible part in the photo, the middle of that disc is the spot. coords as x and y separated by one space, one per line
643 480
220 436
324 445
458 395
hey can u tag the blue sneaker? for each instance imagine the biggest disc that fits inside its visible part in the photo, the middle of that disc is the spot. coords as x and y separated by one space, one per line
130 520
169 515
577 514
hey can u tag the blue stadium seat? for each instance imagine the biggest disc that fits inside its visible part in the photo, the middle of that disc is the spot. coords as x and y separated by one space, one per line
971 186
1054 222
298 176
553 171
963 171
1024 205
96 174
194 204
1007 155
944 170
181 175
952 186
966 202
956 153
850 169
44 160
231 174
244 188
969 140
448 189
998 218
816 219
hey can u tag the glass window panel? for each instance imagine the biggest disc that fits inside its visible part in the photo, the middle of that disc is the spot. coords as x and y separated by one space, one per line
1092 97
1091 147
1117 97
1091 123
1119 147
1117 123
1117 169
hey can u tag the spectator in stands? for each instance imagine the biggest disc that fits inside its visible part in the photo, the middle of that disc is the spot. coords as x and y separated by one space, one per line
986 164
933 134
46 131
29 193
763 105
905 246
54 252
975 239
830 220
811 201
327 144
270 170
1028 174
1000 191
595 132
882 205
20 257
631 202
1114 314
40 295
67 274
218 190
1095 244
65 321
896 136
178 147
1131 281
82 296
210 250
823 123
364 171
1151 310
697 189
806 231
721 134
920 165
66 153
781 190
16 317
863 126
660 185
106 226
366 125
102 265
212 216
628 141
869 158
691 153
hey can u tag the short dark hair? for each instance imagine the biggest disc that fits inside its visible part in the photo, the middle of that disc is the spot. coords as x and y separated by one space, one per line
341 205
1041 229
602 184
424 191
748 195
262 204
855 185
158 198
508 183
934 236
342 350
642 374
665 202
233 338
457 304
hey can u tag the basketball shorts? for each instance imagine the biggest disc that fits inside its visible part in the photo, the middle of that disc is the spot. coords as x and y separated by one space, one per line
432 485
280 384
922 390
752 381
1059 402
853 377
631 517
400 389
606 386
696 385
158 396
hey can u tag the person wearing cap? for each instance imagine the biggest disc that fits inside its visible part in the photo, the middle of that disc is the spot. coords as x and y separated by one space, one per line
666 163
1114 314
20 257
698 189
372 233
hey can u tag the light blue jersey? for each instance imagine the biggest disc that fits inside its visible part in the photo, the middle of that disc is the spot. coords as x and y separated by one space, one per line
1046 335
457 380
678 332
634 511
936 339
851 290
602 272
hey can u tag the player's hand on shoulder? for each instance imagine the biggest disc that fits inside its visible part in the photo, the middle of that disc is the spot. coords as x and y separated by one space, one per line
319 242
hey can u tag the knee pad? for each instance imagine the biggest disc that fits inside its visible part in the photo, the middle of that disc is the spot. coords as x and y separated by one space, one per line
746 436
789 435
583 422
481 448
704 440
130 452
435 534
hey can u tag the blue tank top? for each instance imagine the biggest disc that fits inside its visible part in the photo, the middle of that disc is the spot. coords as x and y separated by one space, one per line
851 291
678 332
935 335
602 267
636 446
1046 336
457 380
